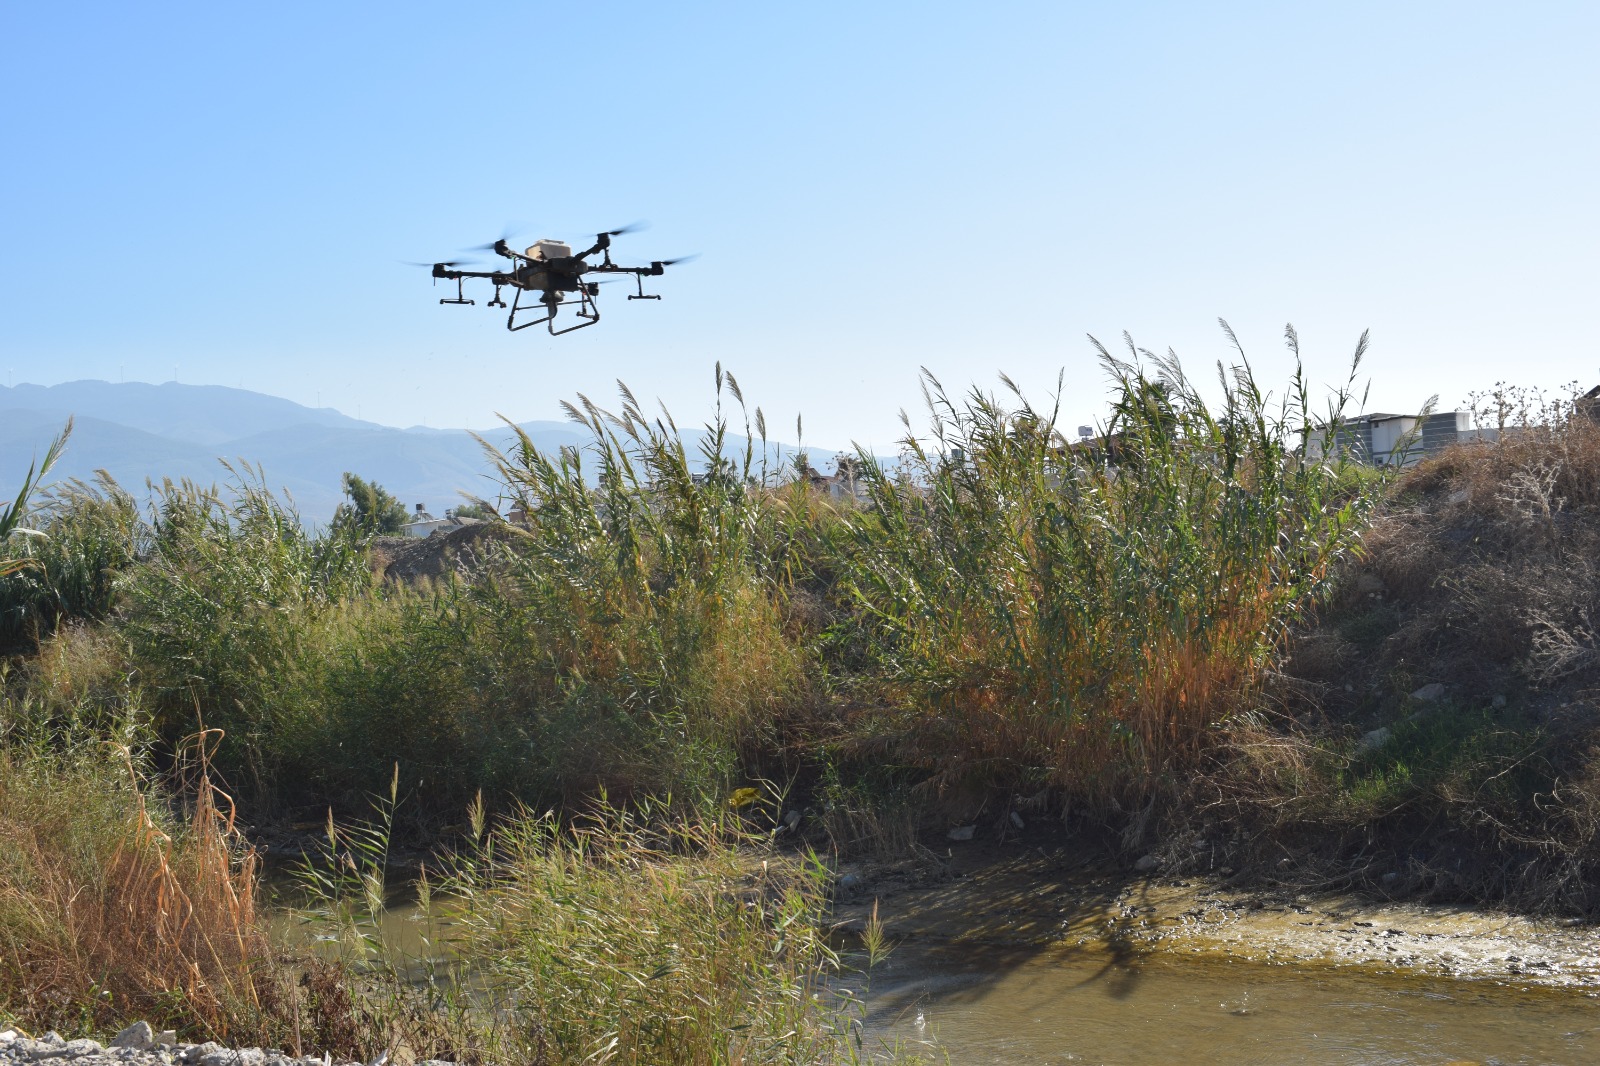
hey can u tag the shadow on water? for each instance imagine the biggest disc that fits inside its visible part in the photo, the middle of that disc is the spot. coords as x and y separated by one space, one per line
959 944
1044 972
1013 966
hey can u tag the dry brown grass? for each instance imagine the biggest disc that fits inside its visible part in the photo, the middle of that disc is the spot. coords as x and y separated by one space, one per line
110 911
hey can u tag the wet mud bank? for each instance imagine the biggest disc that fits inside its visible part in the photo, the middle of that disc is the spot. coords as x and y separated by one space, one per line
1042 900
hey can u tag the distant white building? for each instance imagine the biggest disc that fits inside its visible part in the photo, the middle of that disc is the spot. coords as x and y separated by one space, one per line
1400 440
423 524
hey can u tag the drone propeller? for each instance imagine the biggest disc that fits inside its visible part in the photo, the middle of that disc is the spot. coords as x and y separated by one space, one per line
632 227
450 265
675 262
510 230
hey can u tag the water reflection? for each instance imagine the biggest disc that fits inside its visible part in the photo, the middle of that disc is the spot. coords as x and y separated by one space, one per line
1083 989
1047 1005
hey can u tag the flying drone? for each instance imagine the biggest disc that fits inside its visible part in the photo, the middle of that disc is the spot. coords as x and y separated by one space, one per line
549 269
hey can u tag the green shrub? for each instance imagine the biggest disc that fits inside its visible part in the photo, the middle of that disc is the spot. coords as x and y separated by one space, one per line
90 535
230 601
631 944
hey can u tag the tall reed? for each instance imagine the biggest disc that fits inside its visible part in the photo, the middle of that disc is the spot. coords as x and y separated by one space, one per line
1083 615
13 513
642 600
226 601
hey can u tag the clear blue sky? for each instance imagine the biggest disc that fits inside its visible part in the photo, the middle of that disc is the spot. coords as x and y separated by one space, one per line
228 189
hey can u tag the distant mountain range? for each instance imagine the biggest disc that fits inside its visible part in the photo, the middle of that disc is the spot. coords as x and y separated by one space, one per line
135 431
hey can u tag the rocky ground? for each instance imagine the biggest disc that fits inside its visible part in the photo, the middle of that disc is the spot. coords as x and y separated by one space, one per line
408 560
141 1046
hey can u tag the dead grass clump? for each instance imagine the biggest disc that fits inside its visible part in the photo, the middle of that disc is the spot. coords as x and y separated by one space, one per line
1400 558
110 911
1321 657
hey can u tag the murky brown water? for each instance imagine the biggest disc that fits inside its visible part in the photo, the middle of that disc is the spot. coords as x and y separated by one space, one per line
1043 1007
1051 1003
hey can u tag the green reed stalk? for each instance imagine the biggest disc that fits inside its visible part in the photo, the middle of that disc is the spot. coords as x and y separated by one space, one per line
1082 615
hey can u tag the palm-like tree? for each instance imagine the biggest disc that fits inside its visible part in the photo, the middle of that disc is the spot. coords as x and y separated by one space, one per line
11 514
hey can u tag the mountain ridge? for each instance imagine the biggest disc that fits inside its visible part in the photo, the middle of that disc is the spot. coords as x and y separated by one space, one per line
136 431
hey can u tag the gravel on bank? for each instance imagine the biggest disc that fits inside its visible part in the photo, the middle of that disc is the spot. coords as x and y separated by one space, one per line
140 1046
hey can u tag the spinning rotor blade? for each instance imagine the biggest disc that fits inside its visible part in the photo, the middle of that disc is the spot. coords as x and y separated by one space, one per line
510 230
449 265
632 227
675 262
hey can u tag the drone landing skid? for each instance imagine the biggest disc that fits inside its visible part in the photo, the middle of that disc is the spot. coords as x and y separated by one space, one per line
588 313
461 297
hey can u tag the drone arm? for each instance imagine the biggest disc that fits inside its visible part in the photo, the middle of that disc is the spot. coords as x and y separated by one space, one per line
500 247
441 271
602 243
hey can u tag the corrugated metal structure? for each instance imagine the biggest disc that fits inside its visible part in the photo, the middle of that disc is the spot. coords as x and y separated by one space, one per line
1400 440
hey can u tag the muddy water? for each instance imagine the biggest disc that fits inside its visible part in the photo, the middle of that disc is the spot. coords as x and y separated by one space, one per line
1045 1007
1079 988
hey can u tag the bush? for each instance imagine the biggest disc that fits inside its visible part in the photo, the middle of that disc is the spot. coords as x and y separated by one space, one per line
656 946
230 600
641 620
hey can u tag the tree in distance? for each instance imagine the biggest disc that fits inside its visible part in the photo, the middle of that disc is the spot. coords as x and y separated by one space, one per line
370 511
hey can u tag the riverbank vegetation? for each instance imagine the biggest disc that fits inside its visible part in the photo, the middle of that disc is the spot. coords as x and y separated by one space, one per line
1206 637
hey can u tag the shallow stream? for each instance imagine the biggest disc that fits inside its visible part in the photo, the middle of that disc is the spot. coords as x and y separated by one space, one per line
1097 1001
1043 1007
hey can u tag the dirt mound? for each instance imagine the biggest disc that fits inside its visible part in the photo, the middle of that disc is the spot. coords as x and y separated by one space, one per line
1439 725
461 550
1481 576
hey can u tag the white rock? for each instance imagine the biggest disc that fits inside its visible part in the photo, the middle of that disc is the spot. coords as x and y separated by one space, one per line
1147 863
1428 693
962 832
1375 739
1016 820
7 1035
137 1035
245 1056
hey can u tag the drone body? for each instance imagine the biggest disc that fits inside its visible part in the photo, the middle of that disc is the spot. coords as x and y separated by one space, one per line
549 269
